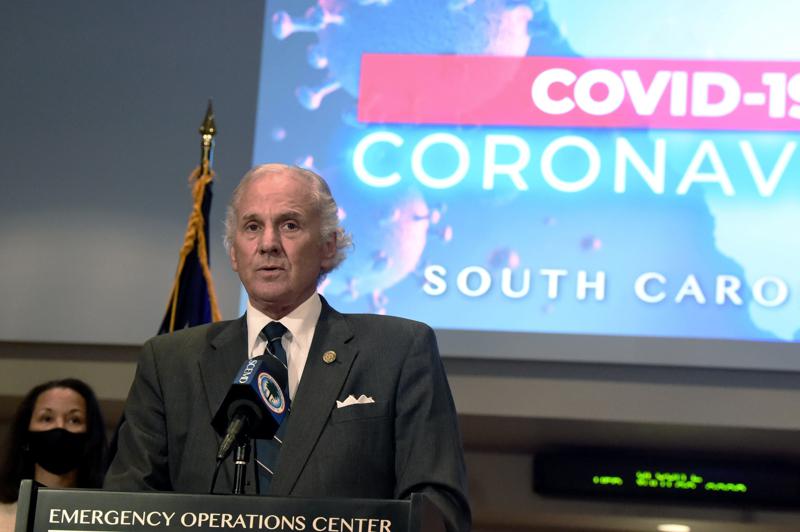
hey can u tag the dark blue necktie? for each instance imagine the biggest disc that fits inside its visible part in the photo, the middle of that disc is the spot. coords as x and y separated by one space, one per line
267 450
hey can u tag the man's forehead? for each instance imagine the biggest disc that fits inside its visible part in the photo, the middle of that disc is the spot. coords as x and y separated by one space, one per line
280 193
279 183
281 175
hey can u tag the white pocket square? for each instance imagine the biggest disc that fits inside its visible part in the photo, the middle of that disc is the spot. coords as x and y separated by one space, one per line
362 400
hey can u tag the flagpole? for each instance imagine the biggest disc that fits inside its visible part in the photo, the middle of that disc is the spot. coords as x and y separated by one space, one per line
207 131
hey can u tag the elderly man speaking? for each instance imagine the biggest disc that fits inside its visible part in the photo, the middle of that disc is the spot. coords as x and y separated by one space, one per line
371 411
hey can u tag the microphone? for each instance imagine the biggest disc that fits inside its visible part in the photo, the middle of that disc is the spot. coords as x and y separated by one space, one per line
254 407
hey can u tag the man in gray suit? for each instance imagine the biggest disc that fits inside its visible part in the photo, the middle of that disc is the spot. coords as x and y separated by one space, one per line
371 410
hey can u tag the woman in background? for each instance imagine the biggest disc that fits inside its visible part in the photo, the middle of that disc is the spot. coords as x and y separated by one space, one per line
58 439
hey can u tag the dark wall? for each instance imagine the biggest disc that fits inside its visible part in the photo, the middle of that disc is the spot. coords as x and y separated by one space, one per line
101 105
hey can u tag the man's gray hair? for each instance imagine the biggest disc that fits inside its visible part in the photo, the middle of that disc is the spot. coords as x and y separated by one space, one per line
323 199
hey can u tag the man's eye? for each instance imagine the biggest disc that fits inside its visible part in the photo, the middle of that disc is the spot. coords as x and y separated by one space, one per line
251 227
291 226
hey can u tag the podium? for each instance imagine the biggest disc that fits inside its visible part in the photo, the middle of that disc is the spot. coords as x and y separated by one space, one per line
42 509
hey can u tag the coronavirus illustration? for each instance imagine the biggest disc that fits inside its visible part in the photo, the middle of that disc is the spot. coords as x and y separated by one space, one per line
347 29
388 251
503 257
391 250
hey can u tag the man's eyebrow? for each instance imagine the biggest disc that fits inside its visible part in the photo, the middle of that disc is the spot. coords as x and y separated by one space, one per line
285 215
281 216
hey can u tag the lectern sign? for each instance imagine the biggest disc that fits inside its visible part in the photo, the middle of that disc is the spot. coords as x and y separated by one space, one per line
49 510
79 519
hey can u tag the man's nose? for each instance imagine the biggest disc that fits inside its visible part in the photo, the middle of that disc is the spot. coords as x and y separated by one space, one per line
270 241
60 423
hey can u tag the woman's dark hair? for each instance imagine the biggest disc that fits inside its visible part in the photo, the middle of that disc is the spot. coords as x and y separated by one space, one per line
18 462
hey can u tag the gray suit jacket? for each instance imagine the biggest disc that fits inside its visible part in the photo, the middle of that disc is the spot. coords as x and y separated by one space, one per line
407 441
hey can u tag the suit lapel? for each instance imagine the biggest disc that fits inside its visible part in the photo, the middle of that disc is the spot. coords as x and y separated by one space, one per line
315 398
218 366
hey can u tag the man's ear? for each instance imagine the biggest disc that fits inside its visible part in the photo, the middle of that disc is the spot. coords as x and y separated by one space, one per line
234 262
328 252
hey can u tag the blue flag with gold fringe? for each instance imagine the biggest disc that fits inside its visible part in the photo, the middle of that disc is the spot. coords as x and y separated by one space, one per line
193 300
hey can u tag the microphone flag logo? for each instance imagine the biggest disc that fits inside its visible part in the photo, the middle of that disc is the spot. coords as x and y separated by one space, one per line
271 392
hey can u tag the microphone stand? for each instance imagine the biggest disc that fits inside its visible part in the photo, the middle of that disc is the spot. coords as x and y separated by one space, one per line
240 458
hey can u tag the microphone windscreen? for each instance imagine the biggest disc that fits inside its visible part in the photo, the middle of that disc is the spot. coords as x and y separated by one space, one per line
256 394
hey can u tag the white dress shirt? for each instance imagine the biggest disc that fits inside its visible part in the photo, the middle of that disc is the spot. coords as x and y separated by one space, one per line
301 324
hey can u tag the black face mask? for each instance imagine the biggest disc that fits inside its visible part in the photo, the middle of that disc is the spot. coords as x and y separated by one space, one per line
58 451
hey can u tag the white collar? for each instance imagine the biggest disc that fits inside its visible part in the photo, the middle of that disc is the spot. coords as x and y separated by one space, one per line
300 323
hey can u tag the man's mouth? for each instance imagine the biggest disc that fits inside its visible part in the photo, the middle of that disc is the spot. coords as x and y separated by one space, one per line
270 268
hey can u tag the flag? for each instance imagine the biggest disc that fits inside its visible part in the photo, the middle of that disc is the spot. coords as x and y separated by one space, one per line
193 300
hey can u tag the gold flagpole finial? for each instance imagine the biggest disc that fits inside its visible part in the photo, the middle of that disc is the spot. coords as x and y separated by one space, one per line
207 131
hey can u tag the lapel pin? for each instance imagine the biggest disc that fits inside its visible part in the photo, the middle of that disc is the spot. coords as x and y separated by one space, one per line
329 357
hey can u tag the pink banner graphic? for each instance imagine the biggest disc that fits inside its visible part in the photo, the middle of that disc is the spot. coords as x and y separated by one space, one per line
579 92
